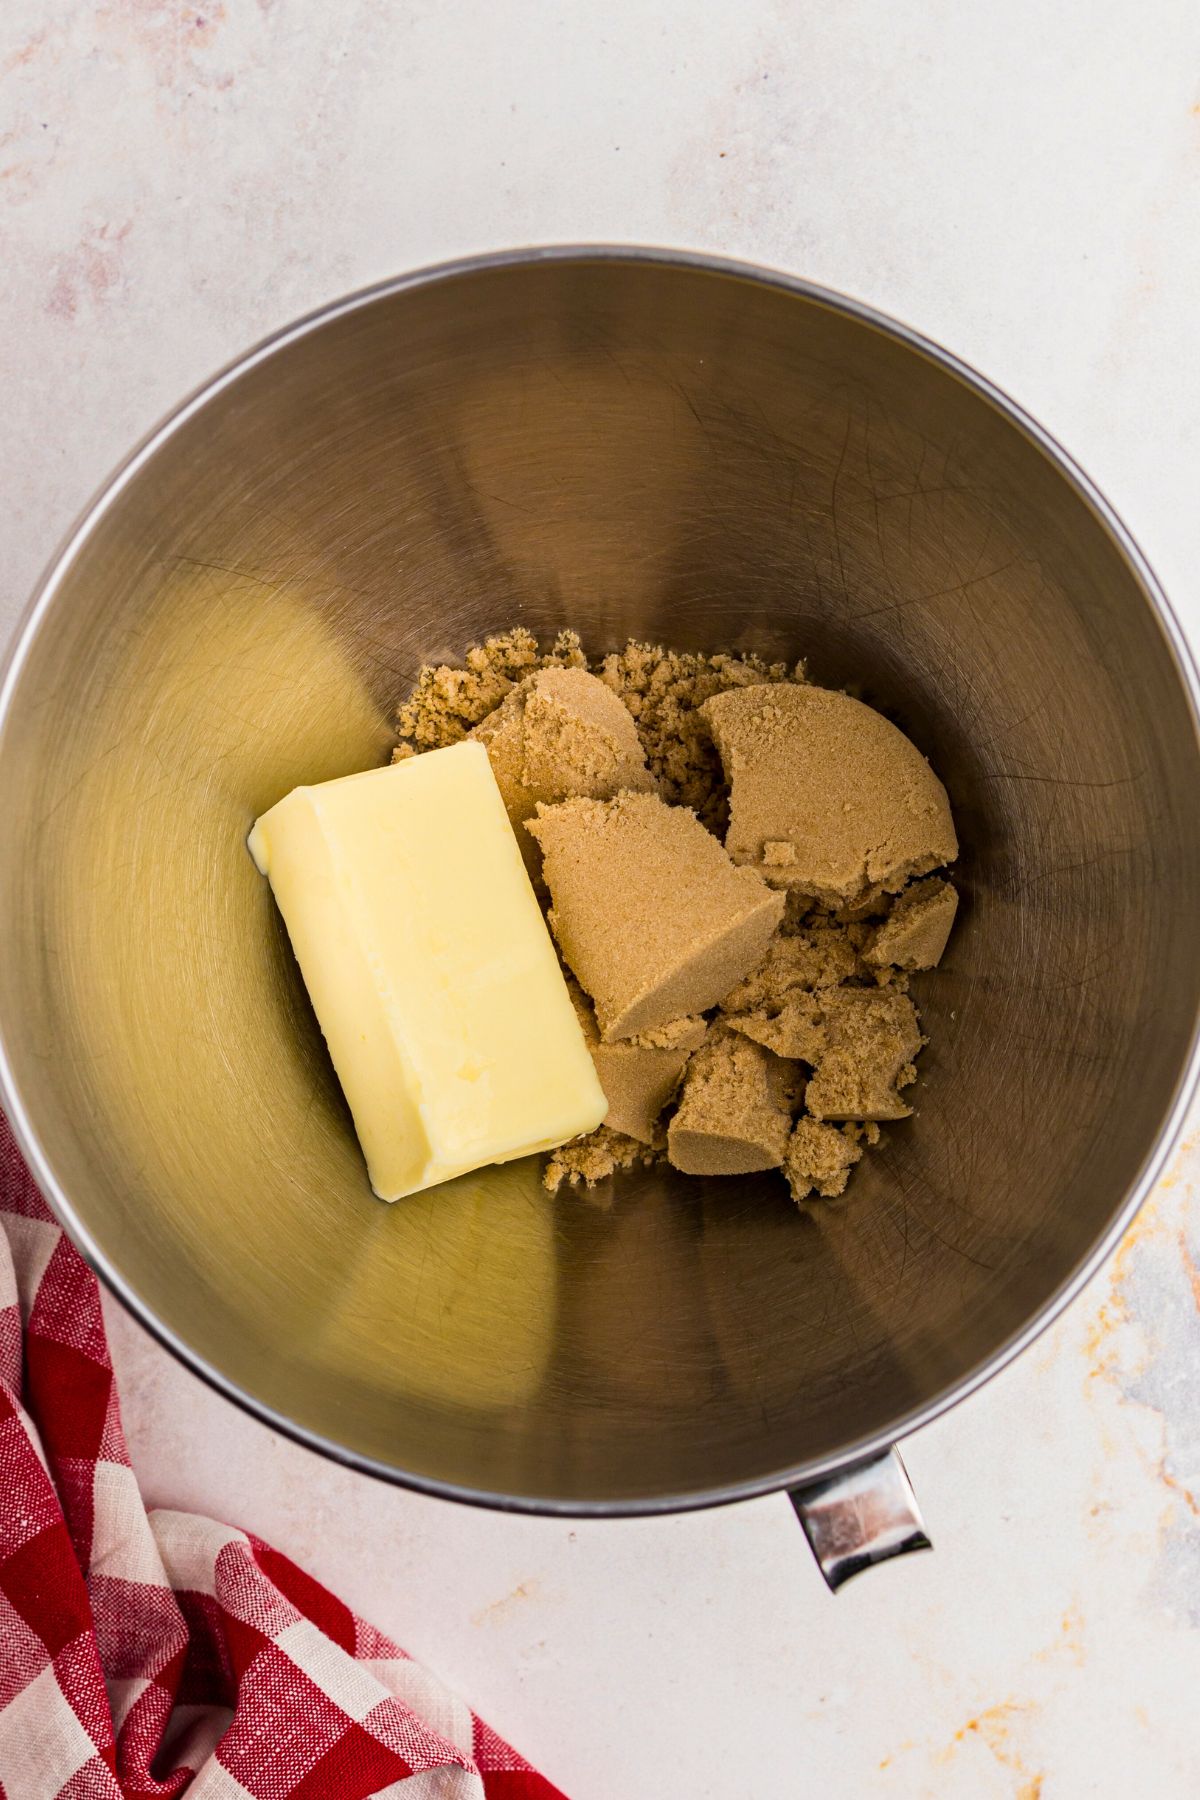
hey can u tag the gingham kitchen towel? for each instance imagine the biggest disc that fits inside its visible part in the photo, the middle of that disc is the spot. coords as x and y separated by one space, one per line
158 1654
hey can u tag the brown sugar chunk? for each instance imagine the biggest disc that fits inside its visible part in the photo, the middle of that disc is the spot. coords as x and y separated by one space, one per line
652 917
735 1111
872 1035
502 734
796 1030
833 779
819 1158
917 929
638 1083
558 733
640 1075
580 739
678 1034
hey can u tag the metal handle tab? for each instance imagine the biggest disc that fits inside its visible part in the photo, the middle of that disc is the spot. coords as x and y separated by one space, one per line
860 1516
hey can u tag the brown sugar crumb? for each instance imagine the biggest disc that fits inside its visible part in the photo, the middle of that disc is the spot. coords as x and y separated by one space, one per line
679 1034
447 701
818 955
871 1039
595 1157
915 933
779 1003
837 781
735 1112
819 1158
664 690
640 1075
652 917
796 1031
559 733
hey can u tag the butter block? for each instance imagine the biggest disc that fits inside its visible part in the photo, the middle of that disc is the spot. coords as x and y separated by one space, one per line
430 968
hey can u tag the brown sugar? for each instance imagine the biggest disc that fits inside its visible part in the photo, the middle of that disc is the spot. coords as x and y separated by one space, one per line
796 1030
827 795
735 1111
595 1157
651 915
640 1075
916 931
446 702
680 1034
664 691
820 954
819 1158
833 812
580 739
661 689
779 1003
871 1037
558 733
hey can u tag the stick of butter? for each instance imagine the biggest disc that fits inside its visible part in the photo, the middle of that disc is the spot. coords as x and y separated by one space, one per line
430 968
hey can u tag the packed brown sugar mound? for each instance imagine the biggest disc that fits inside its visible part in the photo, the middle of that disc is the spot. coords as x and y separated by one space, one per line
829 798
738 868
652 917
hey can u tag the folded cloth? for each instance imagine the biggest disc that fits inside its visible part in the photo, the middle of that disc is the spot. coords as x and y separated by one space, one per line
157 1653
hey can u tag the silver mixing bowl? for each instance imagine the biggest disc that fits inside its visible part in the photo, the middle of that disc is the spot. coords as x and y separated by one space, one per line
628 443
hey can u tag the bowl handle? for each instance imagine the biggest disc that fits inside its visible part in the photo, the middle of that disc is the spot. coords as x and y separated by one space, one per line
859 1516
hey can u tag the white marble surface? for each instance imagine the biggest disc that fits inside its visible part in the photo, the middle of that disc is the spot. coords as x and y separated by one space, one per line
1023 182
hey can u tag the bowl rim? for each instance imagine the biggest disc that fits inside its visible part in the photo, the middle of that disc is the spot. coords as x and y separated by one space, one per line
802 1474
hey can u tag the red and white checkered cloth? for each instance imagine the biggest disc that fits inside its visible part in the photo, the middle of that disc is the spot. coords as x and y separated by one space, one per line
159 1654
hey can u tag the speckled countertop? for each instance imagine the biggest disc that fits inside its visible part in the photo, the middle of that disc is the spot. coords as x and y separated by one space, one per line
1023 182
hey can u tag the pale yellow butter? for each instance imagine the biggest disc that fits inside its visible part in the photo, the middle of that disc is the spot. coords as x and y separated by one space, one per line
430 968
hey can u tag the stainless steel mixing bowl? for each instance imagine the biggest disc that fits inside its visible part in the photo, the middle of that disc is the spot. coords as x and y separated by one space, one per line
622 442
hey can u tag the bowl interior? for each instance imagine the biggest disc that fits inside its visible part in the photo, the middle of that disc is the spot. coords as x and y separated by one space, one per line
624 446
